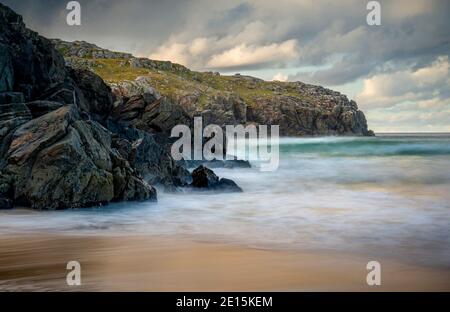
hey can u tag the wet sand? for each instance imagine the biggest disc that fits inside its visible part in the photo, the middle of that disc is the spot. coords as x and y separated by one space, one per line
151 263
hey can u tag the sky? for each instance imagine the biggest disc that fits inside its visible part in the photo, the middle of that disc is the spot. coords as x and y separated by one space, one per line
398 72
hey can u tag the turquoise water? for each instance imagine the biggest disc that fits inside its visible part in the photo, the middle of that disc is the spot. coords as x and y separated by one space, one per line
388 195
392 145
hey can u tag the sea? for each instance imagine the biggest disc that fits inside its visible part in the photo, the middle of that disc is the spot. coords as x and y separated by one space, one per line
383 196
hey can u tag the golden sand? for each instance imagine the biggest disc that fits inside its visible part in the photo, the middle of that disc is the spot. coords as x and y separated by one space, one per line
150 263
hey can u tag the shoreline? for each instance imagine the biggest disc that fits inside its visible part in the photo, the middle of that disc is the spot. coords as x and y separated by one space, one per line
160 263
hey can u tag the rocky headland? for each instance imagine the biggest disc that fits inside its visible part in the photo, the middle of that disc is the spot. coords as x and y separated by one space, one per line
83 126
299 109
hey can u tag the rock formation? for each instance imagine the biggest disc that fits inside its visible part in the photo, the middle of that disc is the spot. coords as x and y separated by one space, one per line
299 109
54 154
62 142
205 179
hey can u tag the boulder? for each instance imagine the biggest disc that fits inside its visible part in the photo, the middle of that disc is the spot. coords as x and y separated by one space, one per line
205 179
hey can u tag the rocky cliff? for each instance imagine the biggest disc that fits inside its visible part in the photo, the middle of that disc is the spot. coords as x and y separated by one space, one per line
299 109
60 144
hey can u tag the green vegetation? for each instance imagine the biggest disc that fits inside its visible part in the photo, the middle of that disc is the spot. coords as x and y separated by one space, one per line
174 81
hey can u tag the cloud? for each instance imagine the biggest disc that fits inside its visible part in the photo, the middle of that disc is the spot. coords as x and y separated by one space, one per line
280 77
412 119
198 46
174 52
409 100
244 56
389 89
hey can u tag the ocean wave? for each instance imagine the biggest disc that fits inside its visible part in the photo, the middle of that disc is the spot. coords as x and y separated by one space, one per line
376 146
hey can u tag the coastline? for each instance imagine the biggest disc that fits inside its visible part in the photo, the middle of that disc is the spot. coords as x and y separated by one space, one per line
169 263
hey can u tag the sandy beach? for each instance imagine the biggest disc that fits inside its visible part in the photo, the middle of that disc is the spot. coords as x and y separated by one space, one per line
153 263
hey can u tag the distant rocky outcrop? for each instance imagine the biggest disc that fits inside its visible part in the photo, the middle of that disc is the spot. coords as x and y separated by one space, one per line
83 49
64 139
299 109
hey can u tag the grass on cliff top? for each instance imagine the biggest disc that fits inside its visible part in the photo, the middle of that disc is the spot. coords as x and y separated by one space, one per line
173 83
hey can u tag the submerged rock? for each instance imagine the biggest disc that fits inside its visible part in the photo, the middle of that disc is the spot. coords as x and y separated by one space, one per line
227 185
205 179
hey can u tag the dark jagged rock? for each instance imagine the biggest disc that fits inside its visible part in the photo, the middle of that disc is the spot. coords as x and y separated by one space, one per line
11 116
205 179
58 147
39 108
5 203
58 161
11 97
33 64
152 113
150 157
227 185
96 97
6 70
